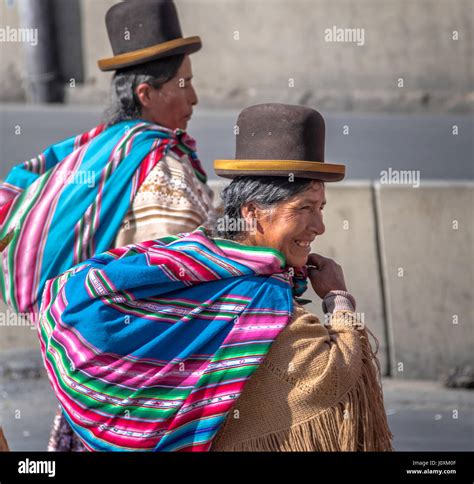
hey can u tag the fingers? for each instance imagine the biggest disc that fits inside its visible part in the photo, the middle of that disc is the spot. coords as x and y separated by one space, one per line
310 270
316 260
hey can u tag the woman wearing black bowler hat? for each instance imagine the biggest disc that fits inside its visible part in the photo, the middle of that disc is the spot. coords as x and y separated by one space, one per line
152 82
148 180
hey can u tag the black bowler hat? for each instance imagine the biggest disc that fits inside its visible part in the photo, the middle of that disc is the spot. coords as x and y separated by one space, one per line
279 140
144 30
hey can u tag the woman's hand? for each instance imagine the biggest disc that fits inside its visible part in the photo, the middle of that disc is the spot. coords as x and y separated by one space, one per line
325 275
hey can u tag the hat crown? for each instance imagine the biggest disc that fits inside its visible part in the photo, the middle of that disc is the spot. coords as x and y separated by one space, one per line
137 24
280 132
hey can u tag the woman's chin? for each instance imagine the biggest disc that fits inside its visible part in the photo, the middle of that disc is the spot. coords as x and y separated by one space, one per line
297 262
184 123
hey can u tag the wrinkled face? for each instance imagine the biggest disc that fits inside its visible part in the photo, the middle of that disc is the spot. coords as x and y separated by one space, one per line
171 105
290 226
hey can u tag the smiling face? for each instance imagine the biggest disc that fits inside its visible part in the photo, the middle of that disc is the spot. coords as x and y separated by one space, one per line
289 226
172 104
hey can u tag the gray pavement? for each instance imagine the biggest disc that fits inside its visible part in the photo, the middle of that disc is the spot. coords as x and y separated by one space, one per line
423 415
374 142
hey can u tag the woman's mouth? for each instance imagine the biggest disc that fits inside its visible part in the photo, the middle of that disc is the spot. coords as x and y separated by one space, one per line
303 244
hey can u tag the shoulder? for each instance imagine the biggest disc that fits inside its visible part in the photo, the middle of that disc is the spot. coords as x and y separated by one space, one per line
302 316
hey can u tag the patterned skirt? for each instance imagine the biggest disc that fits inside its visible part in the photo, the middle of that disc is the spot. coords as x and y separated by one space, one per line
62 438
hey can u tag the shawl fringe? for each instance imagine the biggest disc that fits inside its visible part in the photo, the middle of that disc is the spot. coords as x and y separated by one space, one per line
356 423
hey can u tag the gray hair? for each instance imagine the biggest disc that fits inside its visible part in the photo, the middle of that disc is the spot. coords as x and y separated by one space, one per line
265 192
124 104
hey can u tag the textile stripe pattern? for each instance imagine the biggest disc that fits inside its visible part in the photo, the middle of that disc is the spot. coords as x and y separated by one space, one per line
69 202
147 347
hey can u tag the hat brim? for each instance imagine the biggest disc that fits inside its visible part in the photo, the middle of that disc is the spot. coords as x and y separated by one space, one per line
187 45
329 172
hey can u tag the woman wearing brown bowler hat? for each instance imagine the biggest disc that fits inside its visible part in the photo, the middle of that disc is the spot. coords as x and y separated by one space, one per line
153 83
221 342
319 387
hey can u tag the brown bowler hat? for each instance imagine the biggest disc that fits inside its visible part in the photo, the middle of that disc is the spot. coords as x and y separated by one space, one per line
144 30
279 140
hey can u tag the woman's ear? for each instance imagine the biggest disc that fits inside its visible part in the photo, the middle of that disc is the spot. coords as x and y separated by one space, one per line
252 215
143 93
249 212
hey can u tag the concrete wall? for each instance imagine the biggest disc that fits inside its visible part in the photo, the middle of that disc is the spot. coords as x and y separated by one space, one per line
12 335
252 48
428 250
12 68
373 232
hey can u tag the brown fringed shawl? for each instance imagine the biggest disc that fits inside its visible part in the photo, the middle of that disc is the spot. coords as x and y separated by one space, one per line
319 389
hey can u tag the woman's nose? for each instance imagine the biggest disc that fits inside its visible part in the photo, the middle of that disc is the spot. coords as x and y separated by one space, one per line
194 99
317 225
321 228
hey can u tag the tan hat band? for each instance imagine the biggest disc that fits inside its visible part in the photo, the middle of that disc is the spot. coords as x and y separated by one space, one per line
147 52
269 165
